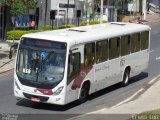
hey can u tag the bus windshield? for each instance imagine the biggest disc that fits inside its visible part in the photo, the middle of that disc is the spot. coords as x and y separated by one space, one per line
41 61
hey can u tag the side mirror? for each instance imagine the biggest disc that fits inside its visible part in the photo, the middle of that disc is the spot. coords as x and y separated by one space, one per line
14 46
10 54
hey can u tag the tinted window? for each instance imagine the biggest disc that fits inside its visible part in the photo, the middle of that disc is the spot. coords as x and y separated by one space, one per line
144 40
114 47
89 54
101 51
135 42
125 45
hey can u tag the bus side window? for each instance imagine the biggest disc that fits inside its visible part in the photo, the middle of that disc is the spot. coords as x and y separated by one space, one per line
114 48
125 45
135 42
144 40
74 64
89 54
101 51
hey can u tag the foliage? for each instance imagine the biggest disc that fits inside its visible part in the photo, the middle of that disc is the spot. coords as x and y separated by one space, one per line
92 22
83 23
19 7
19 33
49 27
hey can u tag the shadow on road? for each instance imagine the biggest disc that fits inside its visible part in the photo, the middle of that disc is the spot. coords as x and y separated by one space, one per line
44 106
132 80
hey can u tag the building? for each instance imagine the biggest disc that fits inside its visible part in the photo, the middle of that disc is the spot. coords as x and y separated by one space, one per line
60 12
5 21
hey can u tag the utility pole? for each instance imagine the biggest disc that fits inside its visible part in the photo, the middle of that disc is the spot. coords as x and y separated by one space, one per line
45 17
101 16
67 10
144 9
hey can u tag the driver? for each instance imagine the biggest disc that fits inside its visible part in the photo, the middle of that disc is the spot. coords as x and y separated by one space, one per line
35 59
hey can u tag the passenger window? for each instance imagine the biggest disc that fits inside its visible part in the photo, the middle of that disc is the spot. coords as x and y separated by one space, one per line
101 51
135 42
125 45
144 40
114 47
89 54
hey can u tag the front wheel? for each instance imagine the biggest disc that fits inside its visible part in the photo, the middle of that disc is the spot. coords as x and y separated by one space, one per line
126 76
84 94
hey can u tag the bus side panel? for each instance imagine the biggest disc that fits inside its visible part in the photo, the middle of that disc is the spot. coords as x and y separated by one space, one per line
135 62
107 74
144 59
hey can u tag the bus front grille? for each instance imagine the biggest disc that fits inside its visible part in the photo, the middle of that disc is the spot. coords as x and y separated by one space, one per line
42 98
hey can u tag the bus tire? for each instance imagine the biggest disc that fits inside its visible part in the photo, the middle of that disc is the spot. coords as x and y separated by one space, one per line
126 76
83 94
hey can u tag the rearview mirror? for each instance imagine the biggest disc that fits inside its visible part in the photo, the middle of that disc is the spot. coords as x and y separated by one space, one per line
14 46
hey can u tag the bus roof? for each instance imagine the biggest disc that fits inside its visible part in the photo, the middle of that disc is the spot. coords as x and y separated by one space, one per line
89 33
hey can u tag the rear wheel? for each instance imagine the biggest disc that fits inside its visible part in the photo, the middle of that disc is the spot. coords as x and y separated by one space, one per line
126 76
84 94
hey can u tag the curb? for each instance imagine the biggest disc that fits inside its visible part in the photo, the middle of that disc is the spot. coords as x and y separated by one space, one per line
6 71
6 63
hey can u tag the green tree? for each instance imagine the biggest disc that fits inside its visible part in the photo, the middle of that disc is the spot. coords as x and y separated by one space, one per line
18 7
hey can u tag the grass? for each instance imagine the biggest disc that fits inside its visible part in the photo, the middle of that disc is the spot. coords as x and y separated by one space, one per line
149 115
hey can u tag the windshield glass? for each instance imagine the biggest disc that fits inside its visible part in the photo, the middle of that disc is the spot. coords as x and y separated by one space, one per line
41 61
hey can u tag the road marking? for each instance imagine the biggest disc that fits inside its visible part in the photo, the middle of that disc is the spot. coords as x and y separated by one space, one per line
153 80
158 58
130 98
151 51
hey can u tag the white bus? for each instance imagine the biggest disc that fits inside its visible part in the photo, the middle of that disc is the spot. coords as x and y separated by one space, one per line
61 66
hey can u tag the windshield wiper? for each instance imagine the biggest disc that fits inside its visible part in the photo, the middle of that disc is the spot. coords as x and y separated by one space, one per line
39 68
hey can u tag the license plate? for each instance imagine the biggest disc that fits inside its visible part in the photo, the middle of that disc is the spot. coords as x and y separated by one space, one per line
35 99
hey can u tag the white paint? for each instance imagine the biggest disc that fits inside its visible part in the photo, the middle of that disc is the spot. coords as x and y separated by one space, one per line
130 98
158 58
153 80
151 51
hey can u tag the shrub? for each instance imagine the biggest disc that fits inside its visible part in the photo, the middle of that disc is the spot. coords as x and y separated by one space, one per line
92 22
18 34
83 23
104 21
48 27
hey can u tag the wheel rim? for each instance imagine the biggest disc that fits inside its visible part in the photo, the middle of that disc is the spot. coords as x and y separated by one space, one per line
126 78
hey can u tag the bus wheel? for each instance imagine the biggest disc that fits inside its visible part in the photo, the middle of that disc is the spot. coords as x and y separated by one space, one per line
126 76
84 94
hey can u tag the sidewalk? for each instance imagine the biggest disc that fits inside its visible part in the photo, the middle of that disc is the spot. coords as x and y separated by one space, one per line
6 64
152 18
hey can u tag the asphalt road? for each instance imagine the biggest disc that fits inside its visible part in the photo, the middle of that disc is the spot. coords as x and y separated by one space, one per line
105 98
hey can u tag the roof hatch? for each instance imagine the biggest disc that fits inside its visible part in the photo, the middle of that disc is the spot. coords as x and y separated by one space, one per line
77 30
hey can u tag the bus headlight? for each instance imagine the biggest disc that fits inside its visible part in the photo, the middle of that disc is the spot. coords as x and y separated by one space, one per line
58 91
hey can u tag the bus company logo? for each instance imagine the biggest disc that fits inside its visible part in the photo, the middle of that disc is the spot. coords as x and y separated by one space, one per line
35 90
